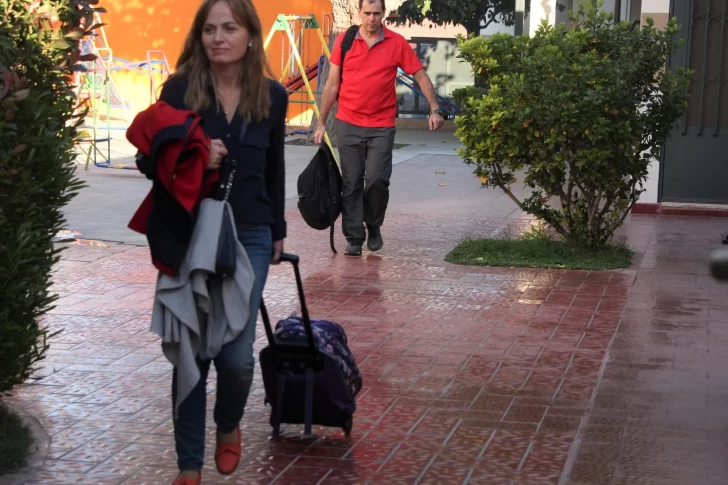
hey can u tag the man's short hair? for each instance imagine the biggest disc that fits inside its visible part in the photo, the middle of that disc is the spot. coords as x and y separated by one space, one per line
361 4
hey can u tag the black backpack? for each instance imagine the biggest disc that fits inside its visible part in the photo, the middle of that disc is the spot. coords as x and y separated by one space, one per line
319 192
319 185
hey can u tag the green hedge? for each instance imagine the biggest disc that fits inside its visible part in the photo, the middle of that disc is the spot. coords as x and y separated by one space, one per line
39 47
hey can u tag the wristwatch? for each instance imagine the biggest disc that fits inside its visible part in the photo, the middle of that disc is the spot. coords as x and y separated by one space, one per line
439 112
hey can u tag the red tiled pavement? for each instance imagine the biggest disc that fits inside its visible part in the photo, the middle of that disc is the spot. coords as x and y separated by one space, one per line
471 375
660 416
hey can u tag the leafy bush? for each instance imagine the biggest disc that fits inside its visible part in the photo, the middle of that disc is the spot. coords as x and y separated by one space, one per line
38 51
462 95
578 113
15 441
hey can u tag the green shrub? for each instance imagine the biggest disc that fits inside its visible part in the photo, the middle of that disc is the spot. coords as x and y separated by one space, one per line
15 441
461 95
580 113
38 51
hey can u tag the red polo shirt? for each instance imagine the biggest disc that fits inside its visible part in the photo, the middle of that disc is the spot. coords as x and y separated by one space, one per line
368 97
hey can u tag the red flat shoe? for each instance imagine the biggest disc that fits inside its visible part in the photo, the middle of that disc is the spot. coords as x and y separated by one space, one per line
188 481
227 455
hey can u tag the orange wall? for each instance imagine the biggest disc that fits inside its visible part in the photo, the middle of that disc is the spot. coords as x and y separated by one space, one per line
136 26
133 26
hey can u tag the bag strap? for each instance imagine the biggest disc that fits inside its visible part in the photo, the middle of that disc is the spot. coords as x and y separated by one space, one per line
229 186
346 46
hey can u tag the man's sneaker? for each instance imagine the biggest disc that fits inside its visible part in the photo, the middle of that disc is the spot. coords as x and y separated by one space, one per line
353 250
374 241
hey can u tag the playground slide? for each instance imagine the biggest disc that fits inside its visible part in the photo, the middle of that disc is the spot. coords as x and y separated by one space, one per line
445 104
295 83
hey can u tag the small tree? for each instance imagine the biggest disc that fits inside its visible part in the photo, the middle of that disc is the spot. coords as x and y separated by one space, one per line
581 112
474 15
38 131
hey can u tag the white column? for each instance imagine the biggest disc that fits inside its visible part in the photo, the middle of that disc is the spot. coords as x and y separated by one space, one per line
541 9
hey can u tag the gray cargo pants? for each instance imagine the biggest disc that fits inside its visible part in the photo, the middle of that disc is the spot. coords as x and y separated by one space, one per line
366 167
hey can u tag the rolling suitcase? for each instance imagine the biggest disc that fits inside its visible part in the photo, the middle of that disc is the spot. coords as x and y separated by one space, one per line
309 374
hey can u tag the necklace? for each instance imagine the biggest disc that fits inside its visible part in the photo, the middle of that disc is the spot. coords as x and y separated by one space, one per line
226 111
219 96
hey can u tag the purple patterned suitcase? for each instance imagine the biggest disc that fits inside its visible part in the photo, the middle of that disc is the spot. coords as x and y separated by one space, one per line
330 338
309 374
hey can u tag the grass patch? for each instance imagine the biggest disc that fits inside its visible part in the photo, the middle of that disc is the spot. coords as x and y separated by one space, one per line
15 441
538 250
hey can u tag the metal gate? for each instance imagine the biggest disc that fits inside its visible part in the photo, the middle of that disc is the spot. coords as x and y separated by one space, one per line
694 166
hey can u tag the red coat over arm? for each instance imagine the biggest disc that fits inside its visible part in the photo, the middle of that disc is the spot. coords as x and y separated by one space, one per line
173 153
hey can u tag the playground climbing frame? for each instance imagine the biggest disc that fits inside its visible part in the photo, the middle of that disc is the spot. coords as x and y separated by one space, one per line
97 90
283 24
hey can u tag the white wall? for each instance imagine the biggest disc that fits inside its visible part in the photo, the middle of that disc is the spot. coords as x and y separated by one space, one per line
656 6
540 10
653 177
609 5
497 28
649 196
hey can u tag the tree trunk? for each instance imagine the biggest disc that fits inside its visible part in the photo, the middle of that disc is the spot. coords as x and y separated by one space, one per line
345 14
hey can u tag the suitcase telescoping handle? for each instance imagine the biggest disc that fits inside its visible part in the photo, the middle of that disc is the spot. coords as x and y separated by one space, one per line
293 260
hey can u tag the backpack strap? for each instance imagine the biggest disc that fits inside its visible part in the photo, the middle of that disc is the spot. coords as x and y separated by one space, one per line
346 45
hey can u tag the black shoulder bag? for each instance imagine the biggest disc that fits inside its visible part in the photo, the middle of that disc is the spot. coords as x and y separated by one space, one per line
227 245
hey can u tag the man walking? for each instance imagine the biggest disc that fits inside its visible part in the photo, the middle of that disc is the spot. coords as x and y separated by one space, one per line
365 120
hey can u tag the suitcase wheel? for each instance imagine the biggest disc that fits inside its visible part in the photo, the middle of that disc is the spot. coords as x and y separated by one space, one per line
348 425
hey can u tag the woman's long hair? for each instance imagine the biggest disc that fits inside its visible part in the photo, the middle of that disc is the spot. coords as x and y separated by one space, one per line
194 65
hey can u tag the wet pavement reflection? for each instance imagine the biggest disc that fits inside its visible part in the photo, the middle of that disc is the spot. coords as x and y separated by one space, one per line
471 375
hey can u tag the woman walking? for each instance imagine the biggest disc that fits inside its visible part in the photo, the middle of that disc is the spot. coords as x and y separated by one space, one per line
223 76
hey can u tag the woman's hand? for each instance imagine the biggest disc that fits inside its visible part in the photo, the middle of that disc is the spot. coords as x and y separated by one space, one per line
277 250
217 151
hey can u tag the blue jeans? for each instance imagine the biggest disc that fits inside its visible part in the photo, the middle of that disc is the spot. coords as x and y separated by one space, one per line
235 364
